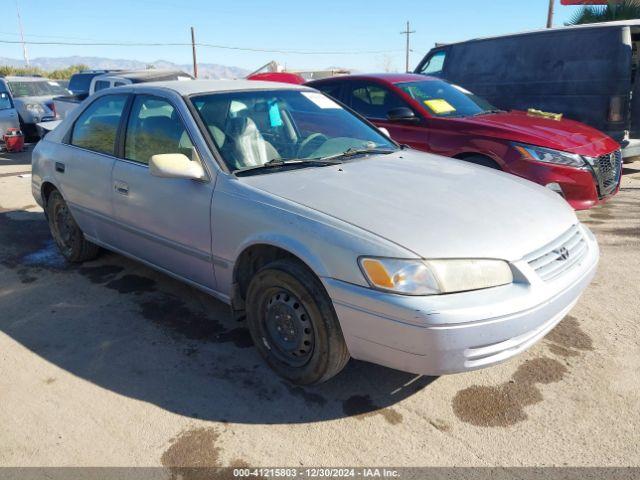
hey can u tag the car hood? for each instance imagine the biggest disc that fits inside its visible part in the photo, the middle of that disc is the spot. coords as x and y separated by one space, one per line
434 206
39 99
565 135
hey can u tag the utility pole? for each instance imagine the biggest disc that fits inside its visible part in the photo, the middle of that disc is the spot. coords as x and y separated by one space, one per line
193 50
407 32
550 14
24 45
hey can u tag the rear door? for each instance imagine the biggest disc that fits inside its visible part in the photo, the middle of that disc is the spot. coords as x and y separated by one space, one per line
82 166
164 221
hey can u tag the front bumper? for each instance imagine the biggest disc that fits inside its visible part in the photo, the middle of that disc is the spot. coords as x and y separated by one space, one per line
434 335
631 148
579 185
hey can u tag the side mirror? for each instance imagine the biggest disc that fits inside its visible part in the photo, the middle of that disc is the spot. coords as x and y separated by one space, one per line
384 131
175 165
402 114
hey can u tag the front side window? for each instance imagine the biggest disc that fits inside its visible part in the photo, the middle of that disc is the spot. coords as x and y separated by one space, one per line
443 99
5 99
38 88
96 128
372 100
101 85
435 64
255 127
155 128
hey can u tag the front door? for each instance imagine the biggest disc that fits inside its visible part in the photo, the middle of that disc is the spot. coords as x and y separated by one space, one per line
374 102
164 221
8 114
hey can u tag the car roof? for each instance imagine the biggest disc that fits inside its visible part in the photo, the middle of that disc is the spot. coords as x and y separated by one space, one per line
138 76
18 78
618 23
385 77
208 86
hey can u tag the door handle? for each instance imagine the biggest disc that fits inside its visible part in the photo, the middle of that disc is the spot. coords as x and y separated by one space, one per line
60 167
121 187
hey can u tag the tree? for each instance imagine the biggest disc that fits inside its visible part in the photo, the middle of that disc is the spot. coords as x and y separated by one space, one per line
61 74
624 10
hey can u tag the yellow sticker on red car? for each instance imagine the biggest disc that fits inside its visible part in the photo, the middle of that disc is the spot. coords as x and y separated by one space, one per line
439 105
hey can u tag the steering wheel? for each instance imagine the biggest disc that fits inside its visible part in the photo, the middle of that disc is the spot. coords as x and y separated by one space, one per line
311 144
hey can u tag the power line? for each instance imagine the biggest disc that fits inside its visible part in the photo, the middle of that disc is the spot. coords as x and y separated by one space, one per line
208 45
15 34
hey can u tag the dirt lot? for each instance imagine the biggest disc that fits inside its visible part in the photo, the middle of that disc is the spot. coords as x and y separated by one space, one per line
113 364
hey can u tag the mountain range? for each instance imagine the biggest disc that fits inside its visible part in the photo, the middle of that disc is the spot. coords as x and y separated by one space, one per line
205 70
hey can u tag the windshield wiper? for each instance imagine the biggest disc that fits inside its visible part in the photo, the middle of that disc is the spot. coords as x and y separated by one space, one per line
488 112
279 163
352 151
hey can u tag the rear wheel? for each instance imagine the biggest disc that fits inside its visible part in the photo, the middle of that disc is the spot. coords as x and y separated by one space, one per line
66 233
293 323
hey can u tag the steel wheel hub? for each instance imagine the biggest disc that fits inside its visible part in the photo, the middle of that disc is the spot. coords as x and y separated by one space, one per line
289 329
65 226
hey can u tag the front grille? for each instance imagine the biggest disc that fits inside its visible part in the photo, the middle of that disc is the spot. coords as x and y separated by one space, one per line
559 256
607 169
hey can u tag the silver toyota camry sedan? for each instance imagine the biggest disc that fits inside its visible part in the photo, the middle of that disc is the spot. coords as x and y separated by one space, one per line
332 240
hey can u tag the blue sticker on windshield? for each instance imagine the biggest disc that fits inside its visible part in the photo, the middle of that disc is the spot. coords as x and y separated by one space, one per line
275 119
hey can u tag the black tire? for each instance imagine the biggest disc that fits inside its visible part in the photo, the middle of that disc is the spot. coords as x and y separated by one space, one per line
314 327
482 160
66 233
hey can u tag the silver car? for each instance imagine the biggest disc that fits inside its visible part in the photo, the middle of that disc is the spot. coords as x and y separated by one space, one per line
332 240
33 99
8 113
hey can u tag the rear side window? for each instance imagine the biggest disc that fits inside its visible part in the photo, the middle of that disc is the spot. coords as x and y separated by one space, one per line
155 128
331 89
435 64
96 128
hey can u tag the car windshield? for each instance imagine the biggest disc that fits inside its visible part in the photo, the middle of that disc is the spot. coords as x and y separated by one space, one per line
255 127
36 89
444 99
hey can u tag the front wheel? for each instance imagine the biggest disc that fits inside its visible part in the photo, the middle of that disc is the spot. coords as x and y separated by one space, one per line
482 160
293 323
66 233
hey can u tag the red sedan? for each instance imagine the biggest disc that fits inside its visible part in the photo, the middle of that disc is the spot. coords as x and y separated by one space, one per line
580 163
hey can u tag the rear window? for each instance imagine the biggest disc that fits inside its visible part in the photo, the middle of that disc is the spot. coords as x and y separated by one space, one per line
80 82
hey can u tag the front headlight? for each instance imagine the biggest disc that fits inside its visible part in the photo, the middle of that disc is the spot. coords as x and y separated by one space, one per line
432 277
547 155
35 108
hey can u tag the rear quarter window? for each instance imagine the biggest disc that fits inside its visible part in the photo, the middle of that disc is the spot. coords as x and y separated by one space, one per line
96 128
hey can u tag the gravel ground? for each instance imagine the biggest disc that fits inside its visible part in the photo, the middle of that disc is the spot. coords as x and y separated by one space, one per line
114 364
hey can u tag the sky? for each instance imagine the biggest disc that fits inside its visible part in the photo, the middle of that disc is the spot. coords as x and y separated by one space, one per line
359 34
